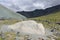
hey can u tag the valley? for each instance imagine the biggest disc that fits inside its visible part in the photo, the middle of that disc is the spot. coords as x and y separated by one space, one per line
50 21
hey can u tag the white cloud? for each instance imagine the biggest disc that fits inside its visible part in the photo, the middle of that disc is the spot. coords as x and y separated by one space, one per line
39 5
29 5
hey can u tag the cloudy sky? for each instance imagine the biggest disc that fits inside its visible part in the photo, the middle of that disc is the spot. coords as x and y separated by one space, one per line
29 5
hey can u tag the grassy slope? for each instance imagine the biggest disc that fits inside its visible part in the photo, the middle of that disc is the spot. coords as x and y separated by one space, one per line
54 17
6 13
51 18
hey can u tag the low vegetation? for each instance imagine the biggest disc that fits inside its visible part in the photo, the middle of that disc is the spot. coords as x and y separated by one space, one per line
8 21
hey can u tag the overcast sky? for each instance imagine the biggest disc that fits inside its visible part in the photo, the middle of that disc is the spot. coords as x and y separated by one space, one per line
29 5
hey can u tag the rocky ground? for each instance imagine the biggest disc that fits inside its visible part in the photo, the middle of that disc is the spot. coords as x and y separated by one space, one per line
50 34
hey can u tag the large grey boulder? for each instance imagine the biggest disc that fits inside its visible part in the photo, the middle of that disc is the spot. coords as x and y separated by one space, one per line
28 27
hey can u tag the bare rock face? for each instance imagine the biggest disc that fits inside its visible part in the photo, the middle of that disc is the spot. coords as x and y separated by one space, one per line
28 27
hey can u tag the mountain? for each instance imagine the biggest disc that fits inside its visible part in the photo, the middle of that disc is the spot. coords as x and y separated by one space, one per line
5 13
37 13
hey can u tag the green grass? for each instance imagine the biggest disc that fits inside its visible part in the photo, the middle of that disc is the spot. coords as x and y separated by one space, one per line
8 22
1 38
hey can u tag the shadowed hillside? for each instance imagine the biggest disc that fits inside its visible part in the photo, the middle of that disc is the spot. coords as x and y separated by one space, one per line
41 12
